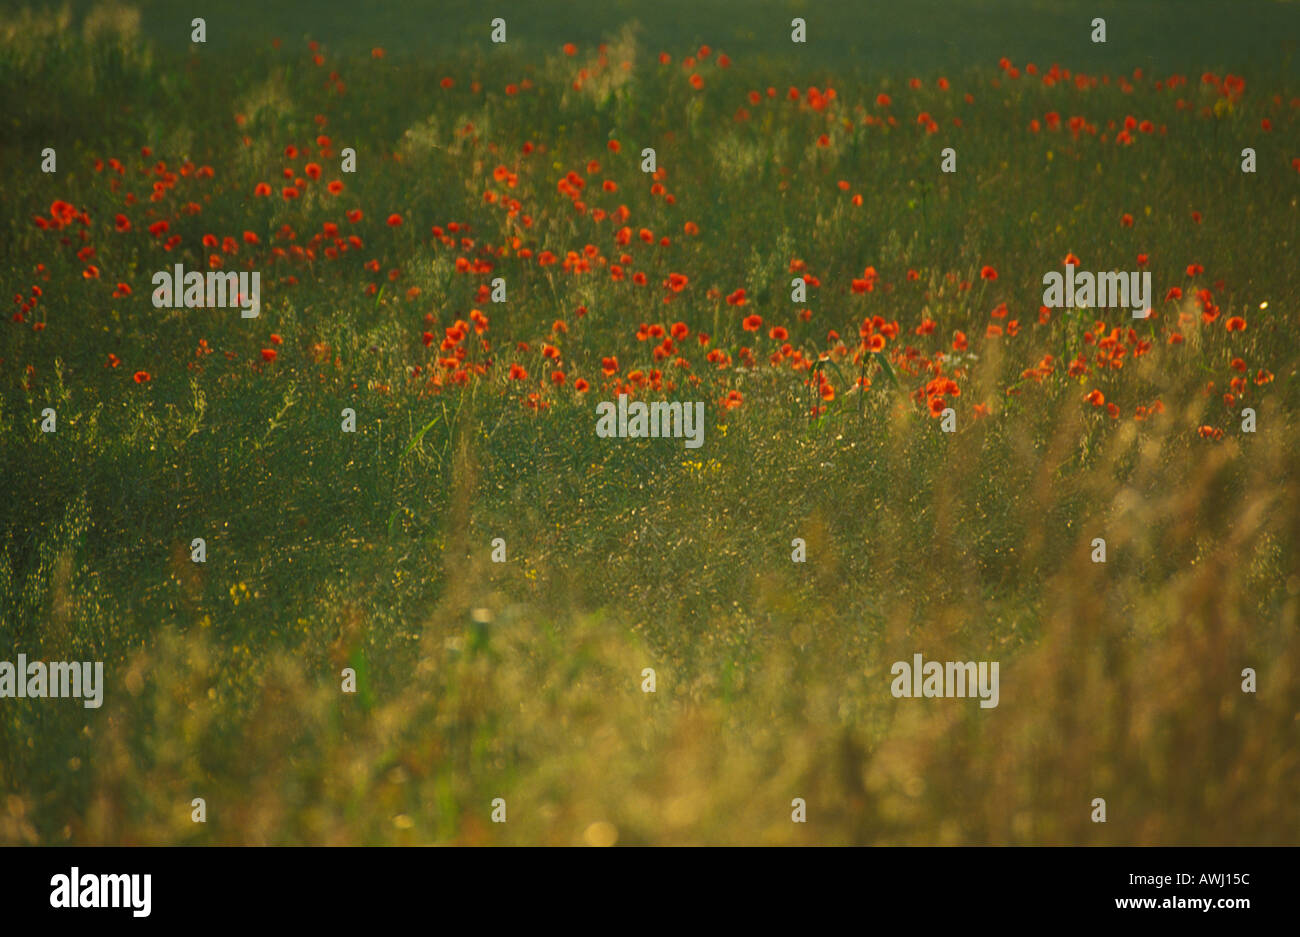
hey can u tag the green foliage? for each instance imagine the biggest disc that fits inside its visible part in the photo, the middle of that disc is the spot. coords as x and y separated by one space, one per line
372 549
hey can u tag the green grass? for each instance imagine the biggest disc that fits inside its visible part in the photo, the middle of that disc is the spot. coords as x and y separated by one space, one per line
522 680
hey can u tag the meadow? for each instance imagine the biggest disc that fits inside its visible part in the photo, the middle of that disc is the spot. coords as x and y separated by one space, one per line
475 421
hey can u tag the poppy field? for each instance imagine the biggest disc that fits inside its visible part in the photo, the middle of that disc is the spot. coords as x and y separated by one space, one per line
363 565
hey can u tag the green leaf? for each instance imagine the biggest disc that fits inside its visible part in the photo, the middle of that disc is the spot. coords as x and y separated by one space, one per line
420 435
886 367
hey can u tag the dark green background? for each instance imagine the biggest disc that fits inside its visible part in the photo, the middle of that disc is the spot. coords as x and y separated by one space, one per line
924 34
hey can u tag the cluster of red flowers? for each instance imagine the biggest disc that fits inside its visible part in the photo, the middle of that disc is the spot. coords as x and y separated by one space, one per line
624 246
